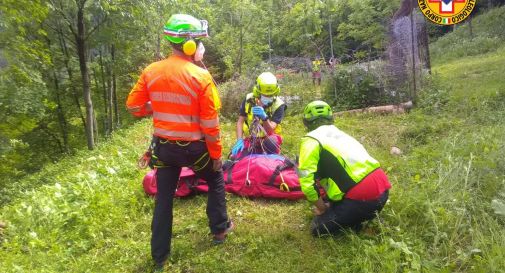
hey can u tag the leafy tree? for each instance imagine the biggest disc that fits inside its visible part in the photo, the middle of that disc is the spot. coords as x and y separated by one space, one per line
366 24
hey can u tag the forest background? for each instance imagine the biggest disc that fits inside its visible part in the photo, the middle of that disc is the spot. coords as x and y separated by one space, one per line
67 66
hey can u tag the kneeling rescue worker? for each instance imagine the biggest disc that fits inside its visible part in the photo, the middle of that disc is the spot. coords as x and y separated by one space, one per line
262 106
355 185
185 105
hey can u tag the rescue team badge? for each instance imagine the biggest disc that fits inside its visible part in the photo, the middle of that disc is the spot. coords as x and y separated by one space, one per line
446 12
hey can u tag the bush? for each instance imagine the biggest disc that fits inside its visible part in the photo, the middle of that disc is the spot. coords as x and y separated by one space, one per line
433 96
355 88
232 94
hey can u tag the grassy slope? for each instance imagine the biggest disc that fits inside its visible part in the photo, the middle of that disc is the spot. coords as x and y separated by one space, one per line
90 214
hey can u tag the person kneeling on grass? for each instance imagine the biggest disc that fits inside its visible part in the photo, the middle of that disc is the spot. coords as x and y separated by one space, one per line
356 187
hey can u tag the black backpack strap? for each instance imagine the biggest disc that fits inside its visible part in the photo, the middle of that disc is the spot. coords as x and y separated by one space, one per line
285 165
191 182
229 174
228 168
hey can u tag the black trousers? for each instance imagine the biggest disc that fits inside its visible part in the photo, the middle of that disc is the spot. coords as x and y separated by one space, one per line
174 156
347 213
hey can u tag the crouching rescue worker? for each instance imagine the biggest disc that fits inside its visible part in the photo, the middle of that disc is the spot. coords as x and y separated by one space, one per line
185 105
261 107
355 185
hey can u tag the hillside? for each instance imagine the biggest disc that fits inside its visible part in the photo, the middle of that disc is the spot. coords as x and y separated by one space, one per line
88 213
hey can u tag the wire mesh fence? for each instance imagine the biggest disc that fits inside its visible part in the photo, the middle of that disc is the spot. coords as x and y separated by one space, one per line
394 77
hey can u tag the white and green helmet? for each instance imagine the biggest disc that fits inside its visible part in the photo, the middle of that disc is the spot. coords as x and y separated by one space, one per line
180 27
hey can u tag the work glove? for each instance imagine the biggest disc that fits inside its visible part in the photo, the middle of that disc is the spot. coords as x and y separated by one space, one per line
259 112
238 147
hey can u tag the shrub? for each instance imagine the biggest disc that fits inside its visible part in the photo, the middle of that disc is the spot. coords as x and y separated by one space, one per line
351 88
232 94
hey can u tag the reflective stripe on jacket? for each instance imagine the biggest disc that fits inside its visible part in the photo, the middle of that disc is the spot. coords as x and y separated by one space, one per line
184 100
249 103
337 159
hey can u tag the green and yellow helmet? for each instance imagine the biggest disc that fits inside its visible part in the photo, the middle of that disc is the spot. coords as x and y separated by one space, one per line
181 27
317 110
266 84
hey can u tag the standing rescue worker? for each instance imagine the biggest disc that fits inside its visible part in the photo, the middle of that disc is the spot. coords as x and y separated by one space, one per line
316 71
263 107
355 185
185 105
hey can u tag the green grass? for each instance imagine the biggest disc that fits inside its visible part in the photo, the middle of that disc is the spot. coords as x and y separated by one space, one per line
88 213
488 33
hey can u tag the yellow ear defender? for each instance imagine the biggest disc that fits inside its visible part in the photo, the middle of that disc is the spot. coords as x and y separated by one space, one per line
189 47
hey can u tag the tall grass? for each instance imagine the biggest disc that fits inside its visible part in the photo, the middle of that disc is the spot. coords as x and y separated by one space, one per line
486 35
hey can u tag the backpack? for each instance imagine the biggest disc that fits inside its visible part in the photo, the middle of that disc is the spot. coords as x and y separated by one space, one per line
188 183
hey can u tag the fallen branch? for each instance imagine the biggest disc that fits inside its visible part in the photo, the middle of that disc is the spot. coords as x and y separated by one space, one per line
386 109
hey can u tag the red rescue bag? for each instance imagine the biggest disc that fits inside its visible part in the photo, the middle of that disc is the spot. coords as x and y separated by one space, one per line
188 183
260 175
257 175
149 183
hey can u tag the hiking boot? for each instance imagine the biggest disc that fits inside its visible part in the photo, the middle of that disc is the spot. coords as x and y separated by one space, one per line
159 267
221 237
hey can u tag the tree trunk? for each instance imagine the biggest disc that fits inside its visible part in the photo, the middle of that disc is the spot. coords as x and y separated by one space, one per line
110 94
62 122
412 40
269 45
64 50
61 114
114 87
94 77
241 43
426 47
106 123
95 127
80 39
331 36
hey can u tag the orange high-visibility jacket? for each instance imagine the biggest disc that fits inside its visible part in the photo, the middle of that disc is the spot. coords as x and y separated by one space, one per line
184 101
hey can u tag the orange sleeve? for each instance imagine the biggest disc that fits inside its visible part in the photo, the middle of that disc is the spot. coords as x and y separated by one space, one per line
209 119
138 99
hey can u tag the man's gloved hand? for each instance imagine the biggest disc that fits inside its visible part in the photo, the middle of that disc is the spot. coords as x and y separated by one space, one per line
320 207
259 112
238 147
